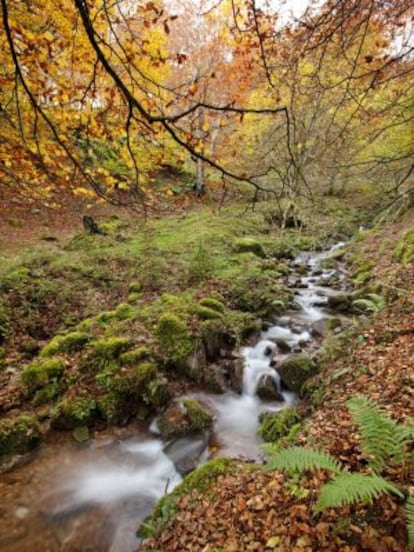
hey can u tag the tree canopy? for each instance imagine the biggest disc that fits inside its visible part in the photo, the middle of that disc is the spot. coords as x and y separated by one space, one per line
97 95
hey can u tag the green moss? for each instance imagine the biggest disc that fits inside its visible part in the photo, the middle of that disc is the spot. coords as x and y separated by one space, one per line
198 417
205 313
111 347
124 311
295 370
4 323
73 412
249 245
174 339
68 343
18 435
48 393
41 372
275 425
113 408
135 356
134 298
212 303
200 480
135 287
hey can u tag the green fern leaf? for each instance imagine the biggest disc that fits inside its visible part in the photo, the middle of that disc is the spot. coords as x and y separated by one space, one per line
409 508
350 488
382 440
299 459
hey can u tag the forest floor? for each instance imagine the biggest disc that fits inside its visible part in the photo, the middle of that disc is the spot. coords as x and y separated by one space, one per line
51 287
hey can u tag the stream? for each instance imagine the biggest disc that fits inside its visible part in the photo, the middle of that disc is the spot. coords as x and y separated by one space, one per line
89 497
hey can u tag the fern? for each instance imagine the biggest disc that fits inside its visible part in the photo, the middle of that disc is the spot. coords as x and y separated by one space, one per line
409 507
349 488
382 439
299 459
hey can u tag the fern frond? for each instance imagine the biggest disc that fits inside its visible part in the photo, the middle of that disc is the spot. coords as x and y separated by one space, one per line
299 459
409 508
350 488
382 440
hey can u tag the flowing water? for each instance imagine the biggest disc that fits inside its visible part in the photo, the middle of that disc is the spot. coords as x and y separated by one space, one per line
71 497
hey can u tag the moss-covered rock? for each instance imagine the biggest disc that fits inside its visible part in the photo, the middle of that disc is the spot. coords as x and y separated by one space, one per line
174 339
18 435
275 425
135 356
110 347
182 418
124 311
249 245
48 393
42 372
212 303
205 313
295 370
73 412
68 343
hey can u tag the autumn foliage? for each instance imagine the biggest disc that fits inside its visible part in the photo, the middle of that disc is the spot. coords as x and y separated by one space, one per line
96 97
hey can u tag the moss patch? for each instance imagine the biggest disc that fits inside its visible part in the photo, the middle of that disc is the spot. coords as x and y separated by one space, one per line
42 372
174 339
69 343
275 425
73 412
18 435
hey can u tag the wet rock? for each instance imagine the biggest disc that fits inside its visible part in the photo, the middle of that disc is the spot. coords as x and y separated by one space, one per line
195 365
235 374
185 452
340 302
18 435
317 272
325 326
214 379
282 345
184 417
296 370
267 389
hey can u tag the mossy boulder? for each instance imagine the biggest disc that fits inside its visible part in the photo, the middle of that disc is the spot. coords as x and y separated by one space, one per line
135 356
212 303
124 311
325 325
111 347
73 412
275 425
184 417
174 340
249 245
340 302
206 313
68 343
295 370
19 435
41 372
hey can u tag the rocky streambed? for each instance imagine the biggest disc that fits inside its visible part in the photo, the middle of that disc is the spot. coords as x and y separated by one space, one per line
92 496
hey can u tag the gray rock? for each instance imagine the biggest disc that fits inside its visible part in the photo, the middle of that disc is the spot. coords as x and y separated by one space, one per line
324 326
267 389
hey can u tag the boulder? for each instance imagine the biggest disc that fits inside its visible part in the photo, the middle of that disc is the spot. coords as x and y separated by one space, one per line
184 417
214 379
267 389
282 345
295 370
324 326
235 372
340 302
